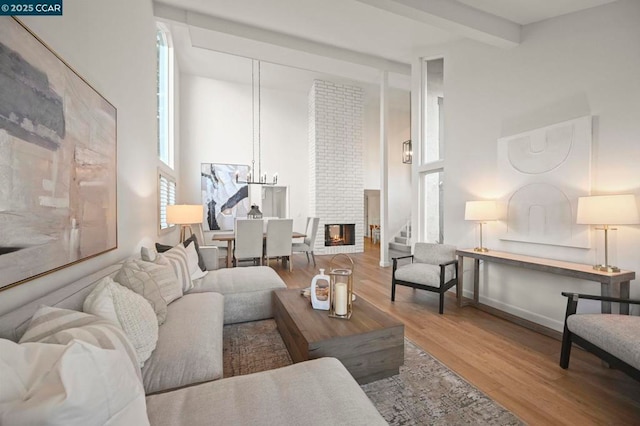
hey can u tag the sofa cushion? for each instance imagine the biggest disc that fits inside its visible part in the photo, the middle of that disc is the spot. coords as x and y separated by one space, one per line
177 257
434 254
189 348
135 278
128 309
61 326
423 273
617 334
79 383
318 392
193 239
161 248
247 291
163 274
192 262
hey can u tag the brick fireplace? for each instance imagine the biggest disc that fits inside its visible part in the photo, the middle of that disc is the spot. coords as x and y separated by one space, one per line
340 235
336 180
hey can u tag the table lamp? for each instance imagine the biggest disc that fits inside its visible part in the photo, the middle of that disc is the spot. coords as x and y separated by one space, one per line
185 215
607 210
481 212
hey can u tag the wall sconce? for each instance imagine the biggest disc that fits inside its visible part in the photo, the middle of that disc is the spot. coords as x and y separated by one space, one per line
481 212
607 210
185 215
407 152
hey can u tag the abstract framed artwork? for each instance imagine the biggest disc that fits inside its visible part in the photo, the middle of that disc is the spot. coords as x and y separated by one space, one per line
57 161
223 198
546 170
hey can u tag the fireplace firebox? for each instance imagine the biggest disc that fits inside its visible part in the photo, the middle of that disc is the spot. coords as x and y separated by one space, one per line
340 234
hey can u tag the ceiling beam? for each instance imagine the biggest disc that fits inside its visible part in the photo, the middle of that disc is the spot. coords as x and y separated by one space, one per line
457 18
208 22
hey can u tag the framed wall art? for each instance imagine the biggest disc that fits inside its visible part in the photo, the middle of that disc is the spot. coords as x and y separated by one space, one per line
57 161
223 198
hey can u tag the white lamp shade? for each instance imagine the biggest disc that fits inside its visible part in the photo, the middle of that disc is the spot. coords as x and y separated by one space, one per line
481 210
608 210
185 214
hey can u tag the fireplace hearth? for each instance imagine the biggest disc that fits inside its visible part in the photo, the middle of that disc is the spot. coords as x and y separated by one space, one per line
340 234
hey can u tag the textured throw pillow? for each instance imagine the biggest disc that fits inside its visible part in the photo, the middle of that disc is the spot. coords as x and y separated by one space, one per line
163 274
132 276
132 312
194 240
77 383
60 326
161 248
192 263
177 258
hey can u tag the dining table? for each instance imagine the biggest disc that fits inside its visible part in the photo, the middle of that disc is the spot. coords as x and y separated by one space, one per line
230 238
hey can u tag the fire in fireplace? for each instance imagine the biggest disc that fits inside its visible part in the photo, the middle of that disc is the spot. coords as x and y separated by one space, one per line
340 235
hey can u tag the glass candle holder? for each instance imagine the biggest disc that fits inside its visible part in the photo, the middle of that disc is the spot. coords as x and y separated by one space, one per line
341 290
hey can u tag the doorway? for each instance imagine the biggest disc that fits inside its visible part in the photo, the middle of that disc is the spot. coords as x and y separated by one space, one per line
275 201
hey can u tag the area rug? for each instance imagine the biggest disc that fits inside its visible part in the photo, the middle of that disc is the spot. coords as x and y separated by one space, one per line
425 391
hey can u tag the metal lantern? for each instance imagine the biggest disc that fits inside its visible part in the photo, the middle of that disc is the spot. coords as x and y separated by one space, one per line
255 212
341 289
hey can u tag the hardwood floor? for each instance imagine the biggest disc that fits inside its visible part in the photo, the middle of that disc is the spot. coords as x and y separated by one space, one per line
517 367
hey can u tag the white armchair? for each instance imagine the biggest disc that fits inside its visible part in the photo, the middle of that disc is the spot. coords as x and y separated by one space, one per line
433 267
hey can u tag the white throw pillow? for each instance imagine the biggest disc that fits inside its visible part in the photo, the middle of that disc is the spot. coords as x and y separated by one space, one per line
178 260
73 384
192 262
133 277
60 326
163 274
132 311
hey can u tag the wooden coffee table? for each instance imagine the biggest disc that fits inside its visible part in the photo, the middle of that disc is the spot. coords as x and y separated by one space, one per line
370 344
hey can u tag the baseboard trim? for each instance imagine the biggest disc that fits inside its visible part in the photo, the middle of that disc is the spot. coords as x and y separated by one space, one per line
520 321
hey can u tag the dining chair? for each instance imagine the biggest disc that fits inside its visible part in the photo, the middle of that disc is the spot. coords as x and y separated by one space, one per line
279 232
248 241
309 241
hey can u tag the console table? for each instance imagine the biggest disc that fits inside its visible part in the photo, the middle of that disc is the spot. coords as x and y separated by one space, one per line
607 280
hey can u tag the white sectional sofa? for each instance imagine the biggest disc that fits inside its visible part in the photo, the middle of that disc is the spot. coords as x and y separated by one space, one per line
183 376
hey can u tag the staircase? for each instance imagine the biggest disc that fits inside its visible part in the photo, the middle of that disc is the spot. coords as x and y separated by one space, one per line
402 242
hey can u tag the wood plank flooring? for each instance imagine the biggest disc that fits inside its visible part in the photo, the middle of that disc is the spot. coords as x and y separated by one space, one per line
517 367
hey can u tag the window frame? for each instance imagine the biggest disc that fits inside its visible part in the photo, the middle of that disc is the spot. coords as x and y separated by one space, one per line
422 167
163 201
165 96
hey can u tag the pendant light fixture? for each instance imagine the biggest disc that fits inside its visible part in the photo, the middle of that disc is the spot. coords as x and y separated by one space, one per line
250 179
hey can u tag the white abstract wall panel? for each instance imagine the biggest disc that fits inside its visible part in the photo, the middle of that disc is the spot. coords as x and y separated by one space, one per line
544 171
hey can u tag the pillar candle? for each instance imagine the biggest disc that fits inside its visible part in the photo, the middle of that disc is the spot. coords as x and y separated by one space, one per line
341 299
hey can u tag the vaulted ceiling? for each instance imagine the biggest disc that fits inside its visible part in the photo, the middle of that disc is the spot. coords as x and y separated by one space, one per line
353 39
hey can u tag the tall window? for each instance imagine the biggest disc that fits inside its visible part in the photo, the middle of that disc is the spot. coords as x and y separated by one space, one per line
164 59
431 167
166 182
166 197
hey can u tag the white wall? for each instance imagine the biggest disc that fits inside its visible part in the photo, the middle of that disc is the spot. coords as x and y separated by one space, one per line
216 127
113 50
399 173
578 64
